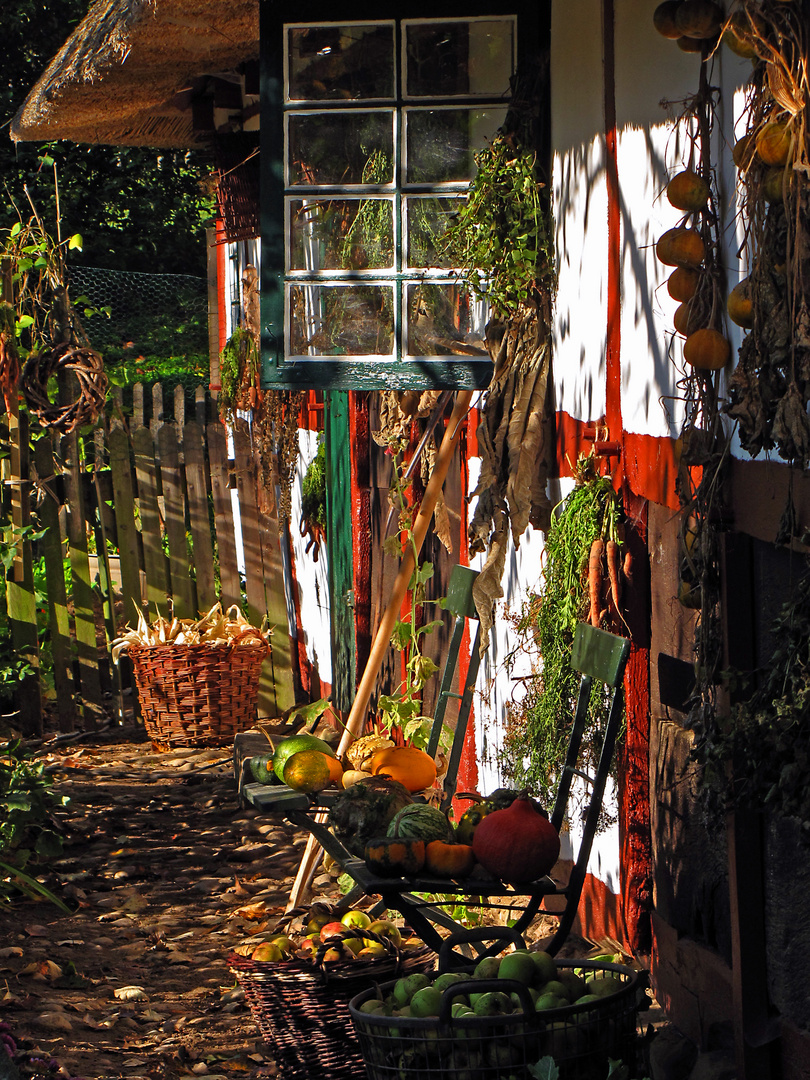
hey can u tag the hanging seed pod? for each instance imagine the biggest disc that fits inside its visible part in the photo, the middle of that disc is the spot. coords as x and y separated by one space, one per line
664 19
688 191
699 18
681 247
707 350
682 283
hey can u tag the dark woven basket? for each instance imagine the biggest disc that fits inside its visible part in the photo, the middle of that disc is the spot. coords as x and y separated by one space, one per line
198 695
580 1038
301 1007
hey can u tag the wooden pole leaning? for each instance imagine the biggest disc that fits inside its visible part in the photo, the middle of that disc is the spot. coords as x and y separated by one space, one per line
357 715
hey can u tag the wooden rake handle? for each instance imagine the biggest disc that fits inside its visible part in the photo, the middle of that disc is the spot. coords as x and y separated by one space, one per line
357 714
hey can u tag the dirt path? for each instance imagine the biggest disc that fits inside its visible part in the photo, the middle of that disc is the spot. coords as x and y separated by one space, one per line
167 875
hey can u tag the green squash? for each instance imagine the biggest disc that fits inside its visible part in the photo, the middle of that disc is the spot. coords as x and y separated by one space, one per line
420 822
261 769
395 858
293 745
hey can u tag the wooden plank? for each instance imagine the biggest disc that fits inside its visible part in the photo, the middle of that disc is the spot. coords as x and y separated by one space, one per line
82 587
180 406
280 663
229 584
249 517
183 590
154 559
20 599
199 516
58 616
104 532
129 547
268 704
138 415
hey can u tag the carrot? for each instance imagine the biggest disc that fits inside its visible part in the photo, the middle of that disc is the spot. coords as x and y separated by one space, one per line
595 578
613 565
627 566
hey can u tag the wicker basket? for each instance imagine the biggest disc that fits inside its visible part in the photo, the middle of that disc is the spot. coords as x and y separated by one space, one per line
301 1007
580 1038
198 695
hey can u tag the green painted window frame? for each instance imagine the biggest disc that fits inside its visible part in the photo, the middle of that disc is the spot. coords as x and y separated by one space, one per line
333 373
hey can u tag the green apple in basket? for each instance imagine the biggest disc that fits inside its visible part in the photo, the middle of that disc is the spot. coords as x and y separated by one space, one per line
385 928
356 918
406 986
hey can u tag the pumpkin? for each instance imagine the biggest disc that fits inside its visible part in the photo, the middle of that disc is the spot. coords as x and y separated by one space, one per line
774 142
470 820
413 768
261 769
690 44
699 18
363 811
294 745
311 770
737 36
449 860
682 283
688 191
394 857
707 350
743 152
681 247
516 844
740 304
664 19
420 822
687 319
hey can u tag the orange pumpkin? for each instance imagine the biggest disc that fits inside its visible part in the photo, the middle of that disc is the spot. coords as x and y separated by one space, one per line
413 768
449 860
664 19
681 247
682 283
707 350
774 142
740 304
688 319
688 191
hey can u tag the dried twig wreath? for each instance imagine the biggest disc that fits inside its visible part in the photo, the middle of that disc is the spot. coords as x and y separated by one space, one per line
86 365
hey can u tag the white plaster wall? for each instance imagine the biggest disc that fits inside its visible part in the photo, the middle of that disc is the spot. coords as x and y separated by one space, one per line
312 577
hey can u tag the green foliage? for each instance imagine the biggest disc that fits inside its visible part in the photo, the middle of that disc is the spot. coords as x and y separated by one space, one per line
759 757
27 836
402 710
313 502
137 207
501 236
238 368
539 726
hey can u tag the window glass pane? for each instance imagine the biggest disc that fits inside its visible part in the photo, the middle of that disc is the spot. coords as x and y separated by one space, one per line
442 143
340 63
340 148
427 218
341 320
459 57
444 319
341 234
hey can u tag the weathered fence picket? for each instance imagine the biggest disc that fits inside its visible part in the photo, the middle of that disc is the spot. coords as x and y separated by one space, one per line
158 490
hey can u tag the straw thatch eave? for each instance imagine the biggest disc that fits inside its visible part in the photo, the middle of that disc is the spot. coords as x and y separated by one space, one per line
129 73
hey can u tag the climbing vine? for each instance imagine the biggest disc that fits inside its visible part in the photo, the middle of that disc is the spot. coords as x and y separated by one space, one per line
573 589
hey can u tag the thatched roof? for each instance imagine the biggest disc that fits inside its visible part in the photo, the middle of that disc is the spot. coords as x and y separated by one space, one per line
131 72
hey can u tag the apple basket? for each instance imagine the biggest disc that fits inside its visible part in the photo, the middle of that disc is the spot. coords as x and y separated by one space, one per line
300 1006
580 1037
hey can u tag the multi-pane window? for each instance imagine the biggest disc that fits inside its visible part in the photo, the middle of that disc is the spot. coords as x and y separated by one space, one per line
381 124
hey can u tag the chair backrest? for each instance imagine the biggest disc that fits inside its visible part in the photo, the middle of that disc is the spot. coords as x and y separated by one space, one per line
599 657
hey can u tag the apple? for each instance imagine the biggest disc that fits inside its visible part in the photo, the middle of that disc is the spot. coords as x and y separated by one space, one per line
328 930
406 987
353 917
487 968
317 919
331 955
386 929
372 949
284 942
267 951
426 1002
354 945
308 946
493 1003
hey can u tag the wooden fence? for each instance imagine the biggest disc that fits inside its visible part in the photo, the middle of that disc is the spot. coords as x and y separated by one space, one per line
143 512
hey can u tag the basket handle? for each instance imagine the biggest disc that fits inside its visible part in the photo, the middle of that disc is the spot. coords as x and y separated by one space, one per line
479 933
483 986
